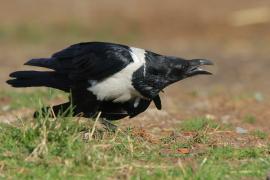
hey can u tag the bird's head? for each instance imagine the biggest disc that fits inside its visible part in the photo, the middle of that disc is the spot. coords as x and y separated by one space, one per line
194 67
161 71
187 68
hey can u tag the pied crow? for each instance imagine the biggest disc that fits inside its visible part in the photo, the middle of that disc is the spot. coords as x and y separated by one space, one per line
115 79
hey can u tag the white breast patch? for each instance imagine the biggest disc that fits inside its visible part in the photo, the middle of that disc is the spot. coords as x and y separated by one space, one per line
118 87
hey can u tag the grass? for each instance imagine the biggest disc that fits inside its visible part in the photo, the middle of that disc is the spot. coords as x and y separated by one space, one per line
250 119
30 99
63 148
260 134
198 124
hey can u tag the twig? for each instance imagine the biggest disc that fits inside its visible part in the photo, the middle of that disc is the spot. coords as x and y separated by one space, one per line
216 132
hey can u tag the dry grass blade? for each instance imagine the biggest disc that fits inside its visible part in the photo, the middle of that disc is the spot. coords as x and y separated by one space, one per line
180 164
203 162
94 126
131 147
52 111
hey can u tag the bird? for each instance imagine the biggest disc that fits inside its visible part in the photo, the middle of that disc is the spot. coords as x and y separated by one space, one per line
117 80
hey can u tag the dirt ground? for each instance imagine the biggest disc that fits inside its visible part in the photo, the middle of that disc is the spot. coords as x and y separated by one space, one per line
233 34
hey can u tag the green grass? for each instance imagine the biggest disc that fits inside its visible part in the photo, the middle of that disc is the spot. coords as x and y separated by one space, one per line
63 148
30 99
260 134
250 119
198 124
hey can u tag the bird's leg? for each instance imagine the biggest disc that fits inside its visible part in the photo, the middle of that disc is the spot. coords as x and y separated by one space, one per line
108 125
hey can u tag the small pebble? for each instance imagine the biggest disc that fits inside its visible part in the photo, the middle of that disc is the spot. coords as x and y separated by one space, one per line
210 116
240 130
258 96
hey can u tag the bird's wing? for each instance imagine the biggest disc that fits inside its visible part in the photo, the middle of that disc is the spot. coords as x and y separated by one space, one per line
86 61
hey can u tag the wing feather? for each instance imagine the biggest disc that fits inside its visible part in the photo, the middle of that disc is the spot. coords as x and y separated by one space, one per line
84 61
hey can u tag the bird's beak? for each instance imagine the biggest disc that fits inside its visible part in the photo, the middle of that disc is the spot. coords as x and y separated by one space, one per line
195 67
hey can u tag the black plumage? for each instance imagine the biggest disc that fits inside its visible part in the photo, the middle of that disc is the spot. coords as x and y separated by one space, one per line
115 79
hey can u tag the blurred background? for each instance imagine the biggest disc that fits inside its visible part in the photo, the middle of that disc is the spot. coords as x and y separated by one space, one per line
233 34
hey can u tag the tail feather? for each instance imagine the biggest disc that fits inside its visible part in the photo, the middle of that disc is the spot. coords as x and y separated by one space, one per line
30 74
38 78
42 62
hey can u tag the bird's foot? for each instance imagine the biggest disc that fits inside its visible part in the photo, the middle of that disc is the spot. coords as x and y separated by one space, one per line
108 125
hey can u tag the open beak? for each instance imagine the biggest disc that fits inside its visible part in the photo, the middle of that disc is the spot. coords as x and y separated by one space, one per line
195 67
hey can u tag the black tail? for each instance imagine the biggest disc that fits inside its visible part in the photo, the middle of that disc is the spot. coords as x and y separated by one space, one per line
37 79
42 62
